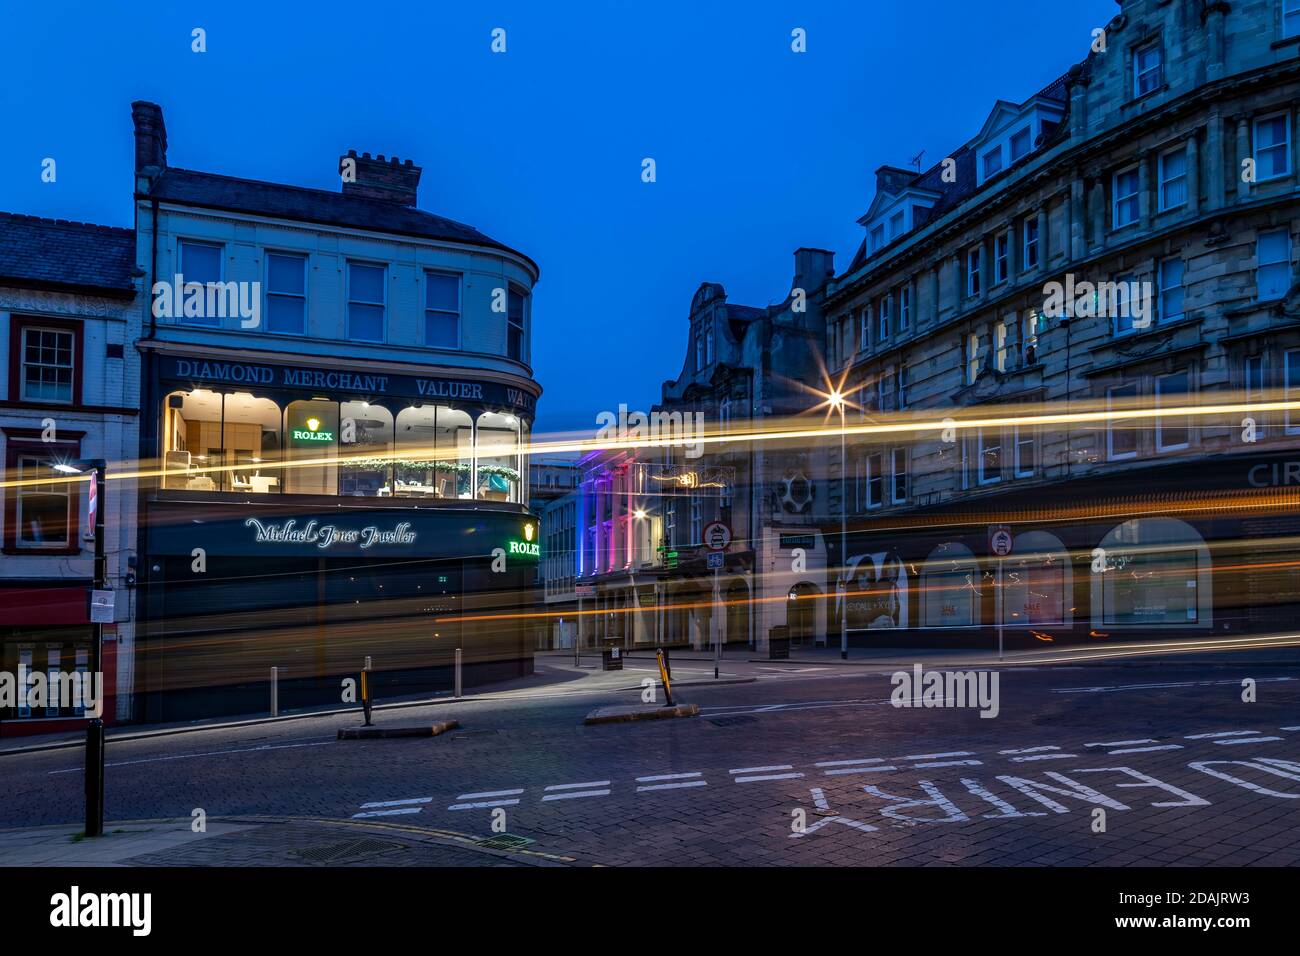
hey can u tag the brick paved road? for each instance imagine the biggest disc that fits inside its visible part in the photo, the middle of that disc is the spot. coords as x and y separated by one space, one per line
1185 772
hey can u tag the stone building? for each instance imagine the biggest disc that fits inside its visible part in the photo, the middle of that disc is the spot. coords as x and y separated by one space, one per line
1154 187
644 574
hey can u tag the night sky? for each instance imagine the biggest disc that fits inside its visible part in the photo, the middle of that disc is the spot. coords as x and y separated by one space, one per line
758 149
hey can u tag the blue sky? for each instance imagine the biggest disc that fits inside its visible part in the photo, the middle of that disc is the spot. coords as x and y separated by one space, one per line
759 150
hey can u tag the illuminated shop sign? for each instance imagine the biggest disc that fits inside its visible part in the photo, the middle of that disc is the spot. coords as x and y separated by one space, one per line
325 536
528 547
312 432
203 372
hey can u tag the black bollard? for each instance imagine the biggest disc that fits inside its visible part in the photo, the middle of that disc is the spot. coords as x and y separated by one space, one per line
95 777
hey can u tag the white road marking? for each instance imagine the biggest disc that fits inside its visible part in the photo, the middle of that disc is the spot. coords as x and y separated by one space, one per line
396 803
783 766
385 813
1106 688
1245 740
846 763
578 786
673 786
1031 750
1044 757
949 763
1144 750
210 753
1123 743
491 793
1289 728
772 776
955 753
483 804
1222 733
835 773
654 778
576 795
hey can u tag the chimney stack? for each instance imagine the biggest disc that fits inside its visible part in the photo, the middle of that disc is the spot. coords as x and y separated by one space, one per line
390 181
891 179
150 140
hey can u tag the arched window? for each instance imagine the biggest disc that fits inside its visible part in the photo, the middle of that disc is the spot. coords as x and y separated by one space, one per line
215 442
365 450
950 587
434 452
496 447
1037 582
311 447
1152 572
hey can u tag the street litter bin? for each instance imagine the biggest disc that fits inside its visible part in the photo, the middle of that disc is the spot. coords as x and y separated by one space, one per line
612 657
778 643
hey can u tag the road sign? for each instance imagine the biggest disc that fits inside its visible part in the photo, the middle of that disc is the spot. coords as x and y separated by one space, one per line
716 559
1001 540
101 607
717 536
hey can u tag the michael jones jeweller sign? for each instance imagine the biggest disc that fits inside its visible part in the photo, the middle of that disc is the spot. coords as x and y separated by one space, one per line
324 536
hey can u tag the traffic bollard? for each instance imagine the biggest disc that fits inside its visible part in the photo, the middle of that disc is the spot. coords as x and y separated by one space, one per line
366 702
94 777
458 673
275 692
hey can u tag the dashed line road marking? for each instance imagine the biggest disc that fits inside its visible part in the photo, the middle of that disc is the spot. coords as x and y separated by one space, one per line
1143 750
590 784
655 778
395 803
674 786
1044 757
1245 740
1221 733
575 795
482 804
954 753
1123 743
385 813
948 763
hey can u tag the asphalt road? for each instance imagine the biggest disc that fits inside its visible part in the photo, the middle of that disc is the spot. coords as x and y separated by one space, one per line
808 764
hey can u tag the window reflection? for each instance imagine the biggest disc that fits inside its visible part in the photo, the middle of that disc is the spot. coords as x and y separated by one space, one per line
242 443
498 458
435 450
311 431
366 446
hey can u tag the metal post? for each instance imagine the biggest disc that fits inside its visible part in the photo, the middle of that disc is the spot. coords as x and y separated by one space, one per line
94 777
95 728
998 607
458 673
844 543
717 625
275 692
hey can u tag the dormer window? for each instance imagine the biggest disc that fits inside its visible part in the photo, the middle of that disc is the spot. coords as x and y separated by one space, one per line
1147 72
895 225
1020 144
993 162
877 238
1290 18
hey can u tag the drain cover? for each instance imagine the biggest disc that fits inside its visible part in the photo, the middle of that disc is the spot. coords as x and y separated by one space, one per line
732 721
350 850
505 841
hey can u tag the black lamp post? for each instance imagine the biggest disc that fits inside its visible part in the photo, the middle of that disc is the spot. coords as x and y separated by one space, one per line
94 469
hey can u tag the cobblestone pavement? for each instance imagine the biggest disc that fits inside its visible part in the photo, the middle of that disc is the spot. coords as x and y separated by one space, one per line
1112 765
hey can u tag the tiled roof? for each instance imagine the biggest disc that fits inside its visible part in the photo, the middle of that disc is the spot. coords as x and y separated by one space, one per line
278 201
59 253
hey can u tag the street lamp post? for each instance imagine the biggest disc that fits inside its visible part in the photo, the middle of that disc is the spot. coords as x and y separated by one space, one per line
94 777
838 401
